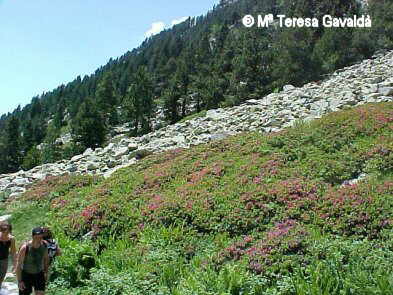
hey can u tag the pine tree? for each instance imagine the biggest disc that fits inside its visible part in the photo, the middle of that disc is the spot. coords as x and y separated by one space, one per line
251 72
32 159
213 92
382 16
59 114
292 59
88 127
106 98
12 145
181 82
139 102
329 53
36 107
171 98
28 136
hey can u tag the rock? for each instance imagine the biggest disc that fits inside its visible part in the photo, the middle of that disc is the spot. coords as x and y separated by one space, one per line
178 139
77 158
288 87
120 152
373 88
109 148
374 80
87 236
386 91
112 163
355 180
17 189
89 151
13 195
320 107
372 97
140 154
335 104
215 115
132 146
218 136
21 181
252 102
98 150
350 98
38 176
72 168
92 166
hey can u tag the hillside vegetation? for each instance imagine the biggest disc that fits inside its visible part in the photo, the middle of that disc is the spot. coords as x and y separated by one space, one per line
203 63
252 214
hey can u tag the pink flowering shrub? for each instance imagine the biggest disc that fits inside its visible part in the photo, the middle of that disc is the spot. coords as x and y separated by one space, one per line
359 209
285 238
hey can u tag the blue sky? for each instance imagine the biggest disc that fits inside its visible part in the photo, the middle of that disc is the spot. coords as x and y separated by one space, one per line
44 43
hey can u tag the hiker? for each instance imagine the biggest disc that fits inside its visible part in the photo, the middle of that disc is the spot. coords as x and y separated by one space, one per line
7 247
32 265
50 243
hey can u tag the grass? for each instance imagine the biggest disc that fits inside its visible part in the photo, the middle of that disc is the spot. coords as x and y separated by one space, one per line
26 216
252 214
194 116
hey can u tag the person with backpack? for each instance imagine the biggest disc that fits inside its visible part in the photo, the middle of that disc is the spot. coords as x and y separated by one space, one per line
7 247
32 265
51 244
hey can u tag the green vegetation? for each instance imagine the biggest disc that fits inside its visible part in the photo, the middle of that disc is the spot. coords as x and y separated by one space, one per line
25 216
139 103
206 62
252 214
193 116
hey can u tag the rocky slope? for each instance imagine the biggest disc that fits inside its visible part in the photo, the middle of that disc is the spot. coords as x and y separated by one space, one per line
368 81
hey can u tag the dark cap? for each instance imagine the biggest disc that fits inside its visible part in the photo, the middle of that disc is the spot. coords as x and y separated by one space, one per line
37 231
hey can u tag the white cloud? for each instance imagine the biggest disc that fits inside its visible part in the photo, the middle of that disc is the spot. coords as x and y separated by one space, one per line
155 29
179 20
159 26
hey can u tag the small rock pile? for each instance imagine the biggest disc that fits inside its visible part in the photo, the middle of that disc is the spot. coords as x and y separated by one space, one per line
368 81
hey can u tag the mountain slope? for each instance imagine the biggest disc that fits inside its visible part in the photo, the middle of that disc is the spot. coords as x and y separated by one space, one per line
251 214
203 63
369 81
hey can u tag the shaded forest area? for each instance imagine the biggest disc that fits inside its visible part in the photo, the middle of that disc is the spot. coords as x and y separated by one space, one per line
203 63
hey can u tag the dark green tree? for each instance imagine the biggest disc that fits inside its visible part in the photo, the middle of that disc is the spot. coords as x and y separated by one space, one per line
88 127
106 98
36 107
171 98
12 150
181 82
329 52
252 72
382 16
213 91
58 119
138 102
292 62
31 159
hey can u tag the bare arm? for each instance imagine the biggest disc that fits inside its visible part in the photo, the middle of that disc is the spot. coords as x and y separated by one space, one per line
13 252
20 259
46 261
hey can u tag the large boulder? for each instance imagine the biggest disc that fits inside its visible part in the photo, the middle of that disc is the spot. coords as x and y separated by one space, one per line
289 88
120 152
140 154
132 146
386 91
